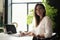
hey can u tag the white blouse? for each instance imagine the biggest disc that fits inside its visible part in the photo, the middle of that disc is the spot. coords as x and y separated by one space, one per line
44 27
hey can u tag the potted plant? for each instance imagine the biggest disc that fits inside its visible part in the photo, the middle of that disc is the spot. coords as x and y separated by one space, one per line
50 11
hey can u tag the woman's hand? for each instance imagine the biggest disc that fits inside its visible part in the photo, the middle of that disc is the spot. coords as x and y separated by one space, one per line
30 34
23 33
27 33
41 36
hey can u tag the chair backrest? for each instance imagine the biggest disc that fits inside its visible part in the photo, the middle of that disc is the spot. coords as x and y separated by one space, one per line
10 29
53 34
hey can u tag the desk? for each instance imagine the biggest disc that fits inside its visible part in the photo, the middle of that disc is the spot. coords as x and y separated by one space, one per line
4 36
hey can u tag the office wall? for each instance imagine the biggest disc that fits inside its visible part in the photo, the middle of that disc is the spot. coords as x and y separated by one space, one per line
1 5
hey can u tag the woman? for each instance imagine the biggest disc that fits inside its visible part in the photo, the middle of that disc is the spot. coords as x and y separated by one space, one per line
43 27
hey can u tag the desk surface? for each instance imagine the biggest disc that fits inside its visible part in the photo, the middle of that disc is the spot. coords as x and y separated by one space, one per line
4 36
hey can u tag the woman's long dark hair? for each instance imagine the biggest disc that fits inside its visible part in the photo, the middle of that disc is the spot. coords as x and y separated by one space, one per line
37 18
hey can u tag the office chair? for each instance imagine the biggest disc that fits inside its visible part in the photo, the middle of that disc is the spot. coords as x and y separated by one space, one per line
54 37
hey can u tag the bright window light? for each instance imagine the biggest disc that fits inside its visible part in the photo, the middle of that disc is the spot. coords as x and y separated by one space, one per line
26 1
19 15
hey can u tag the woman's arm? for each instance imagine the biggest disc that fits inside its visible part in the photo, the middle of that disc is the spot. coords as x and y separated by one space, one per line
27 33
48 27
31 34
41 36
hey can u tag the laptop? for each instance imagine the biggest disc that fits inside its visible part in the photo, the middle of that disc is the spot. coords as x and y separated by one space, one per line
10 29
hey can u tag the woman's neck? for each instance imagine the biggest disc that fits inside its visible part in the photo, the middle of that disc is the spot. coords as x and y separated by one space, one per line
41 17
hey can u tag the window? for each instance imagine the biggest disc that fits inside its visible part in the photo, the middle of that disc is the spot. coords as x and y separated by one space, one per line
19 15
17 1
31 12
19 9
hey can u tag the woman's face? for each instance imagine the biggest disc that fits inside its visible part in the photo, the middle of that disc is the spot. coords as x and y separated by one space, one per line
39 10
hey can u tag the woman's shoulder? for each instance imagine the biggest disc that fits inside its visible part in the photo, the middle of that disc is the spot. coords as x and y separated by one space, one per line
46 17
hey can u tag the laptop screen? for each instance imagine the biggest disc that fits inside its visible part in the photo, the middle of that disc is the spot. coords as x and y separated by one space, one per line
10 29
